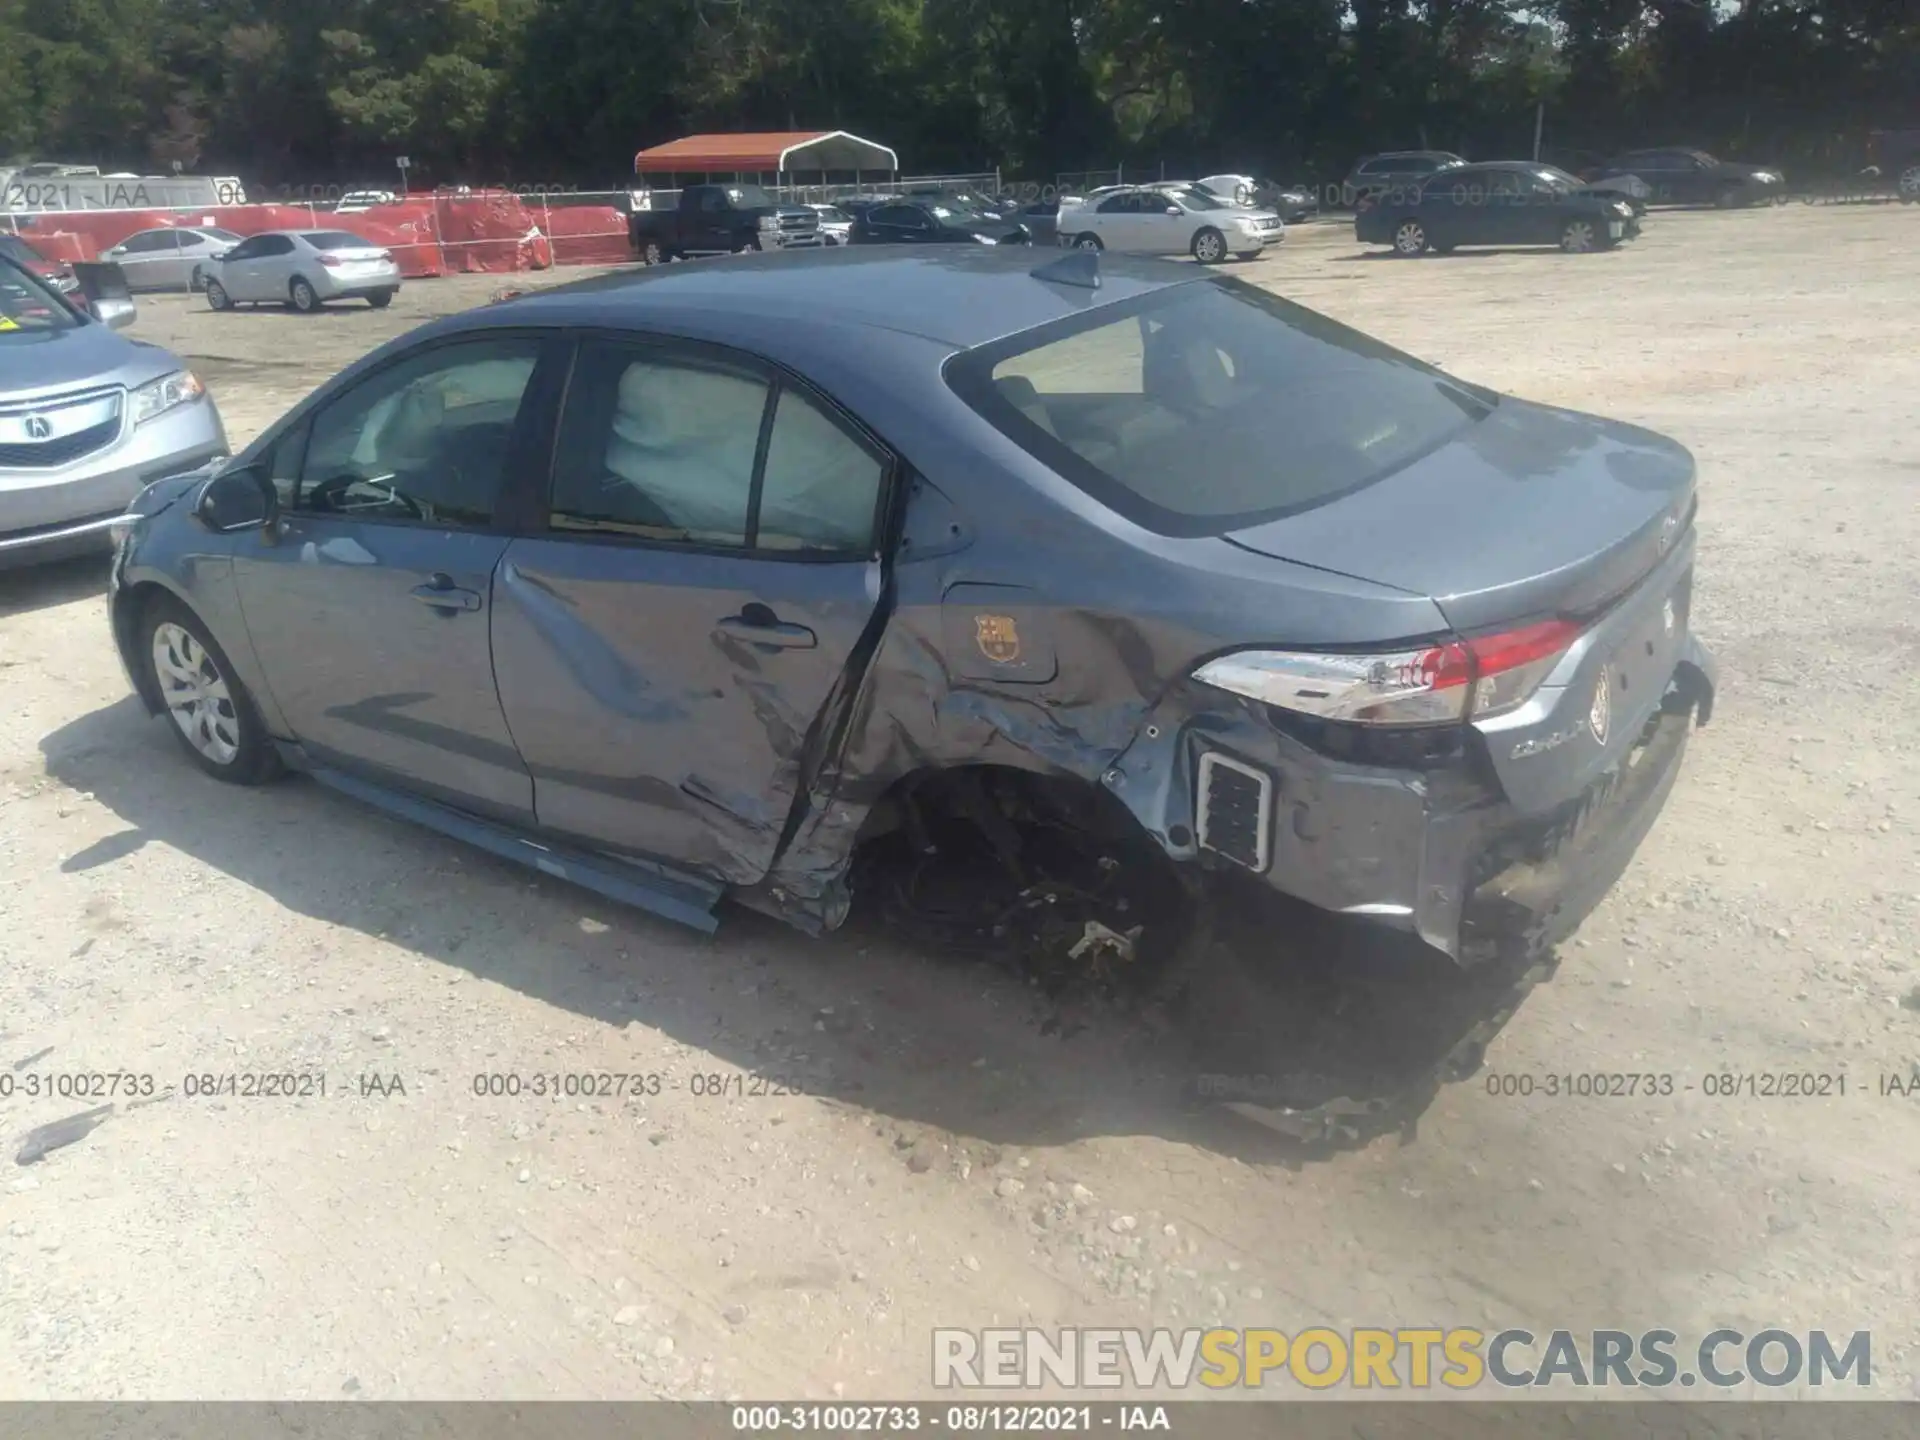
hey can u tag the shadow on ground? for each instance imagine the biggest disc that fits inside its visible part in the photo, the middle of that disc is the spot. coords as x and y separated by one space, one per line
26 588
861 1017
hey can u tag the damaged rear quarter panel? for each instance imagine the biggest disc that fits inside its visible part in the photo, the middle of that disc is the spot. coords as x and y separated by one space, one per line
1052 636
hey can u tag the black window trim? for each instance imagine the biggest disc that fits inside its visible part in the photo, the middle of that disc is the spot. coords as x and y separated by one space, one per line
778 379
523 445
969 374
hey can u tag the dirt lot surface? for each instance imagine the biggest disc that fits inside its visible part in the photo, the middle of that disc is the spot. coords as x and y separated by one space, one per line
948 1162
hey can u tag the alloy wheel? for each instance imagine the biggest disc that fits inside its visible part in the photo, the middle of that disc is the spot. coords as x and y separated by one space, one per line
196 693
1577 238
1410 238
1209 248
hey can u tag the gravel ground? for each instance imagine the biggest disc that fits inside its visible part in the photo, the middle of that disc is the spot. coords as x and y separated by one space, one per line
944 1162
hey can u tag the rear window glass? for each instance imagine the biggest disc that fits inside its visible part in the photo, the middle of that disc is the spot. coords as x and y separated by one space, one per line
1211 406
337 240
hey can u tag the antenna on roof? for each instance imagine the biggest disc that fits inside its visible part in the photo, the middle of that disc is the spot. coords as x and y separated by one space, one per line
1076 267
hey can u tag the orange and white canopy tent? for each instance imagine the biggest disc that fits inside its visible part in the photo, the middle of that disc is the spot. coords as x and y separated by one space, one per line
775 152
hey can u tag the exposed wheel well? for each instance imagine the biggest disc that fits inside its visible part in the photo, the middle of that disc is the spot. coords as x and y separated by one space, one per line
1044 867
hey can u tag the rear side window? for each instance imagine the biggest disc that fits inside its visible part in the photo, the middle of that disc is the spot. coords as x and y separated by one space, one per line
335 240
676 447
1212 406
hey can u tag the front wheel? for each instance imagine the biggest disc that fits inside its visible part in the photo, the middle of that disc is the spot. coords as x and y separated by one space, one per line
1410 238
213 716
380 299
1910 185
1089 241
1729 197
1580 237
1209 246
653 253
303 296
217 297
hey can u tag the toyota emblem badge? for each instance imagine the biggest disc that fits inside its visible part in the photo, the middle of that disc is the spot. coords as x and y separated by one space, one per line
39 427
1600 713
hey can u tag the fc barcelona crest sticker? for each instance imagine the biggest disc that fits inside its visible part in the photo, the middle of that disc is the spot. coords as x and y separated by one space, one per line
998 638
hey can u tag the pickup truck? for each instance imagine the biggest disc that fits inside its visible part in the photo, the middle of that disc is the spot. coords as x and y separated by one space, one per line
721 220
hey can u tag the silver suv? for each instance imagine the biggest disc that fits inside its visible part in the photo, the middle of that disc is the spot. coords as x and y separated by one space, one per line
87 418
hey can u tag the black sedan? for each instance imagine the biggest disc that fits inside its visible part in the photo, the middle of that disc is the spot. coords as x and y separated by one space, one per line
1693 177
936 222
1508 202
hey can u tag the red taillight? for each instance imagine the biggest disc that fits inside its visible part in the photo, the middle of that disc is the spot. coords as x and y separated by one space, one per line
1519 655
1497 654
332 262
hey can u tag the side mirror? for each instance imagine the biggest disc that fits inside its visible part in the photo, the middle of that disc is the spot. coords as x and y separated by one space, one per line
1174 210
114 313
238 499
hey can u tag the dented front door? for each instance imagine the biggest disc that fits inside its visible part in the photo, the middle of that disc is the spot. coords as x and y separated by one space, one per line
705 571
663 700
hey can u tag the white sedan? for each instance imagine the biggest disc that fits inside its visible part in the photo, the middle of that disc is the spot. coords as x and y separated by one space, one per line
1155 222
302 268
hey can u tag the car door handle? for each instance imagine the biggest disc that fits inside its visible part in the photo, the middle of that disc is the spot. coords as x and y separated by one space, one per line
760 626
442 594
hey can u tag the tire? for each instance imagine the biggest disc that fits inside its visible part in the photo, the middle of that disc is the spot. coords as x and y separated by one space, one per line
302 296
197 281
1910 185
217 297
1583 237
653 253
1209 246
1089 241
380 299
1729 197
1410 239
207 708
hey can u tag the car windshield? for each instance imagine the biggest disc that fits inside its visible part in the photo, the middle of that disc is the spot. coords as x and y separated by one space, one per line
750 197
1211 406
833 214
27 305
336 240
1195 199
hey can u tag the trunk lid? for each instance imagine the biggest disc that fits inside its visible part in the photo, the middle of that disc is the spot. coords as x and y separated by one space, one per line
1532 511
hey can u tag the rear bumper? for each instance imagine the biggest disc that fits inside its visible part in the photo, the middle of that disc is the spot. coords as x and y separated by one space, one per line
334 287
1444 853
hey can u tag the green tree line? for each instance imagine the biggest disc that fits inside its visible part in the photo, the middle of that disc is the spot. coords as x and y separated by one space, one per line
564 91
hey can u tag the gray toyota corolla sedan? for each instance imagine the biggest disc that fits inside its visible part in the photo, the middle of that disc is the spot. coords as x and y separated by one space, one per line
87 417
688 582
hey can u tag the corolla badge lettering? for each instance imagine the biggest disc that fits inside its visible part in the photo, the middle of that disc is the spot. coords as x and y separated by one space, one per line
1544 743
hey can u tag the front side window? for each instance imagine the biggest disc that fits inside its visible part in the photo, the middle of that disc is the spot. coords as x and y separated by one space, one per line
1211 406
425 439
667 446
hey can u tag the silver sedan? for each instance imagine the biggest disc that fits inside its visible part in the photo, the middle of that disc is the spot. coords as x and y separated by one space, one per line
303 269
172 257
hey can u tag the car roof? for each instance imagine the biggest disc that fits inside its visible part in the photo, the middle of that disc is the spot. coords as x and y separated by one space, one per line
960 296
